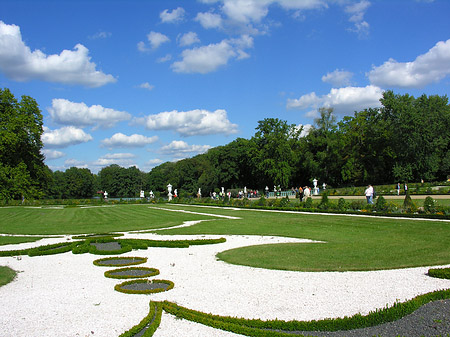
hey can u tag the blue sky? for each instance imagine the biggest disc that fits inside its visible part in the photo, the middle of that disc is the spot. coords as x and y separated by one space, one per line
145 82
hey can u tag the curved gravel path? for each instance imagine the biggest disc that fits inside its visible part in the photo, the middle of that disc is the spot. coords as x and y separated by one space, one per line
66 295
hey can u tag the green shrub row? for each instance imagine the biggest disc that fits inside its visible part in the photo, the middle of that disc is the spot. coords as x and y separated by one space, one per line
119 287
127 245
280 328
150 322
150 272
382 207
137 260
439 272
56 248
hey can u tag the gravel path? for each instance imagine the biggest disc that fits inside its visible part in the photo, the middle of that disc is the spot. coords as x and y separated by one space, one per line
66 295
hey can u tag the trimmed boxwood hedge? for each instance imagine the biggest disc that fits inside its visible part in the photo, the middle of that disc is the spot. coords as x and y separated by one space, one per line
150 322
127 245
149 272
137 260
439 272
119 287
267 328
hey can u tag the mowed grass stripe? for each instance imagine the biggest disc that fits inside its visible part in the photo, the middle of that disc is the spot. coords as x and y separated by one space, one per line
352 243
77 220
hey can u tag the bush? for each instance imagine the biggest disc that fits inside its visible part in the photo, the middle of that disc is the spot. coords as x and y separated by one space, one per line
429 205
309 203
439 273
342 205
408 205
324 203
381 205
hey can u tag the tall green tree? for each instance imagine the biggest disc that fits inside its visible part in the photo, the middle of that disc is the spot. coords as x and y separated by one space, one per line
274 156
23 172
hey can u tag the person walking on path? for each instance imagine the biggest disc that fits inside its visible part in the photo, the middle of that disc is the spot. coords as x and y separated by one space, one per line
369 194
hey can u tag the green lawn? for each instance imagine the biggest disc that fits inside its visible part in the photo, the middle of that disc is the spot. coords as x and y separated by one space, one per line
351 243
10 240
77 220
6 275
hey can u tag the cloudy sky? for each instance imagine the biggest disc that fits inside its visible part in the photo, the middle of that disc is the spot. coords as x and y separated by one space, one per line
144 82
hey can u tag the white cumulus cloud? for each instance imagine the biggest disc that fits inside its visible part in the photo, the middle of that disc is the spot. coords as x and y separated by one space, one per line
344 100
209 58
121 140
188 39
427 68
338 78
191 123
179 148
121 159
357 12
52 154
19 63
174 16
209 20
147 86
156 39
65 112
64 137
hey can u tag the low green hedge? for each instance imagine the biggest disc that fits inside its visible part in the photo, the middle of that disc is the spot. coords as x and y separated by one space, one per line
268 328
119 286
150 272
127 245
150 322
439 272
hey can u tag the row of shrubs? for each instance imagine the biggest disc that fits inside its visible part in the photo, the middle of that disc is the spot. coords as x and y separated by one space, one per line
150 323
127 245
391 189
341 205
281 328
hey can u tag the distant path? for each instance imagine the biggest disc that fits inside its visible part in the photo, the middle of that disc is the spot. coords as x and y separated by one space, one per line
389 196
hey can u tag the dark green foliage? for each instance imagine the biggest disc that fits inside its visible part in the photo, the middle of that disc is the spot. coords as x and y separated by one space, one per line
429 205
120 287
439 273
22 169
150 323
342 205
381 205
324 202
308 202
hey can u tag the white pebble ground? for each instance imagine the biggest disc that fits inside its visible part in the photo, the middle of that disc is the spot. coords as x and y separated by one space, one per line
67 295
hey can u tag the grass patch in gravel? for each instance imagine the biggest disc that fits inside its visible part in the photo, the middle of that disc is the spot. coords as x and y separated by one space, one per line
6 275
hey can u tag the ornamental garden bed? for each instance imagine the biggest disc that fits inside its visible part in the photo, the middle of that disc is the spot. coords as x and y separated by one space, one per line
119 261
131 272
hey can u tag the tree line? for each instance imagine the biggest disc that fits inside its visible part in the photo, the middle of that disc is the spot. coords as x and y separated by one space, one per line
406 139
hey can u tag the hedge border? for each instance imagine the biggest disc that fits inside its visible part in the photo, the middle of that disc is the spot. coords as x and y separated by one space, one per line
266 328
439 273
150 322
127 245
119 286
139 260
151 272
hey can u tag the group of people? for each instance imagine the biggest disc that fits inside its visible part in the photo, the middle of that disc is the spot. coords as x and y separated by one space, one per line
302 192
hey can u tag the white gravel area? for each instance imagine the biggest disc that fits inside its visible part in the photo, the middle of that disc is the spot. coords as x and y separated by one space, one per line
66 295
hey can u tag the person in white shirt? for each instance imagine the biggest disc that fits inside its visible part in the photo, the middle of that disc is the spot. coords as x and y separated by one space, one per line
369 194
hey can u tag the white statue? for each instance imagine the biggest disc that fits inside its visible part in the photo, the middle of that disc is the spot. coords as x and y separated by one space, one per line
151 194
316 189
105 195
199 194
142 195
169 189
